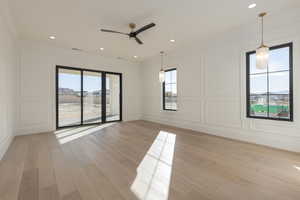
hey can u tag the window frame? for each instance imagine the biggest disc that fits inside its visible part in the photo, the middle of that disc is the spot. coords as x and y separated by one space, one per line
103 97
164 89
291 105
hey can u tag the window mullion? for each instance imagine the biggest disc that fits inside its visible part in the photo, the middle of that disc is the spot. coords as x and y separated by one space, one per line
103 97
81 96
268 92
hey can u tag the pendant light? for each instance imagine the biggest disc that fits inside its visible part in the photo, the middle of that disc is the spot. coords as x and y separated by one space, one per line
162 72
262 53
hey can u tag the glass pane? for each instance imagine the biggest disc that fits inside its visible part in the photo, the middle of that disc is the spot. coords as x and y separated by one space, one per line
279 59
253 69
171 103
112 97
279 106
258 84
174 76
171 97
174 90
279 95
168 90
258 105
69 97
279 83
168 76
92 111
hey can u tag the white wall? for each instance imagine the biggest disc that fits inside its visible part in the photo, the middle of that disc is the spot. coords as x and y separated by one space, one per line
211 85
9 76
37 96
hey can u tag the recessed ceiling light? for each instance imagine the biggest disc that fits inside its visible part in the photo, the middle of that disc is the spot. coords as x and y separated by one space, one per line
135 56
101 49
253 5
172 40
52 37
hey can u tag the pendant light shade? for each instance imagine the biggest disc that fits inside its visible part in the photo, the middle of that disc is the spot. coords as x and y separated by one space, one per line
262 57
262 52
161 74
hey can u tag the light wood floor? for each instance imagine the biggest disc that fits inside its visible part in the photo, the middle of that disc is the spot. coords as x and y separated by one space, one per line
143 160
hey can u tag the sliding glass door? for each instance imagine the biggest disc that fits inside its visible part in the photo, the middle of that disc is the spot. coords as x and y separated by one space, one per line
85 97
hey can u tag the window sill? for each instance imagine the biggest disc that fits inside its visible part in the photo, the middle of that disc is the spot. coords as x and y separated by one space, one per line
271 119
169 110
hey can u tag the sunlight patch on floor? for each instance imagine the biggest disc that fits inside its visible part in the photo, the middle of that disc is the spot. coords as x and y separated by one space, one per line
296 167
73 134
68 132
154 172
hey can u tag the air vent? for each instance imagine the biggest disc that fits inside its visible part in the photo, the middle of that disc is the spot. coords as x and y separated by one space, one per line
76 49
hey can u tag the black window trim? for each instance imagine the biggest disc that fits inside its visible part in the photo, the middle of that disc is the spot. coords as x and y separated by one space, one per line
291 105
163 91
103 88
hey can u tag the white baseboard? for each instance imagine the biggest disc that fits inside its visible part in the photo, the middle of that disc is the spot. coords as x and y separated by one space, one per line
4 144
28 130
257 137
43 128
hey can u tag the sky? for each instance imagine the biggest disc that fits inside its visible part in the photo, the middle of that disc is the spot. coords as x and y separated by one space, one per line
170 79
72 81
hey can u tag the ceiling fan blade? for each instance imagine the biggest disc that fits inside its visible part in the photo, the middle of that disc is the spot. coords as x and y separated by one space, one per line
138 40
144 28
110 31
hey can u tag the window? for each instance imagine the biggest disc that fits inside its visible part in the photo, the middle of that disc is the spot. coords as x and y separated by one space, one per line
270 91
85 97
170 90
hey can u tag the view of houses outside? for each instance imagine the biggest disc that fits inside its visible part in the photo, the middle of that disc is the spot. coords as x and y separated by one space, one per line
269 88
278 106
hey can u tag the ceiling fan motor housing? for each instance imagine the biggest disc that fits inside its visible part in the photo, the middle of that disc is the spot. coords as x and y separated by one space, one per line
132 26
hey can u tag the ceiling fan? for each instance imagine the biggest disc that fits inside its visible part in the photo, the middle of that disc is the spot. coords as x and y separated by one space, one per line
132 34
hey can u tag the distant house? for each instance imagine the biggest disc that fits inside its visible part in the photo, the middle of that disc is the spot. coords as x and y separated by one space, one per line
67 95
65 91
278 103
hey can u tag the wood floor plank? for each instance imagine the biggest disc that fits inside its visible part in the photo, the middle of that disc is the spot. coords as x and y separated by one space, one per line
11 169
82 182
29 185
45 163
117 175
72 196
63 176
49 193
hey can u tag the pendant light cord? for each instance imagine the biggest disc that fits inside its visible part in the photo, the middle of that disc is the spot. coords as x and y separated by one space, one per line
262 27
262 30
162 60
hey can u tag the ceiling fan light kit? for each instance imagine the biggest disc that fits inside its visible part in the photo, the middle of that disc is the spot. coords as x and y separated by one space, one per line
132 34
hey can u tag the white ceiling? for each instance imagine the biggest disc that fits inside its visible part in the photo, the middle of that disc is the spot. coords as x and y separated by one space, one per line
75 23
